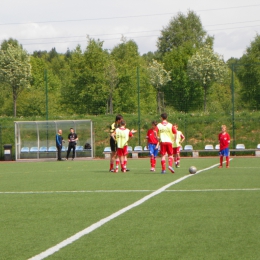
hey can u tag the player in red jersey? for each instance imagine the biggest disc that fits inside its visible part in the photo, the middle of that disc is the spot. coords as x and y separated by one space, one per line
166 134
224 141
152 144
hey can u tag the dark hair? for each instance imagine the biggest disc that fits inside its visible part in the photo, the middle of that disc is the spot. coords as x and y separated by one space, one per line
119 117
122 122
164 116
154 123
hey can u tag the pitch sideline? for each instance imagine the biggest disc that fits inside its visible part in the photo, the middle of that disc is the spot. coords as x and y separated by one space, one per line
101 222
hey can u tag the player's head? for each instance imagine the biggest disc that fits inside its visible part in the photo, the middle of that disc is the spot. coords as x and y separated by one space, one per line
175 125
60 131
223 128
154 124
118 118
122 123
71 130
164 116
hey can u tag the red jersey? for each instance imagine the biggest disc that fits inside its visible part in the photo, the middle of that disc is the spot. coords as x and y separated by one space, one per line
224 140
151 136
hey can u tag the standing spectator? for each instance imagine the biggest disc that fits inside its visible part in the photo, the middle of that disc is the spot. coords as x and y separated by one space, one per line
152 144
113 144
122 135
179 138
224 141
166 131
72 139
59 141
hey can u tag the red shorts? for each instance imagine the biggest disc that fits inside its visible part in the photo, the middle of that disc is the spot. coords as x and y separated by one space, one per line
176 150
166 148
122 151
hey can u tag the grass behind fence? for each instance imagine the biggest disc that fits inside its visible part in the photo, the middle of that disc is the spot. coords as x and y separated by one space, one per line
211 215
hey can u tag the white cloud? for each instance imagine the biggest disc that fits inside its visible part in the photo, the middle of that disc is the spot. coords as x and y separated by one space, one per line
147 15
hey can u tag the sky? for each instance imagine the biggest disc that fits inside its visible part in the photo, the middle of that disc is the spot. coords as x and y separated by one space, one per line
43 25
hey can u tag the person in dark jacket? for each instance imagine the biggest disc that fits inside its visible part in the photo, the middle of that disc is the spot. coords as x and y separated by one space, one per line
59 141
72 138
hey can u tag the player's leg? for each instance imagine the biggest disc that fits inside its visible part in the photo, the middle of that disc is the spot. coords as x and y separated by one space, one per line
220 159
113 154
178 157
151 149
68 152
73 151
59 153
163 153
170 157
155 154
227 157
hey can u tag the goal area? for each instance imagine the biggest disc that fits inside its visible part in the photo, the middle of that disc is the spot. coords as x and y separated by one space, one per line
37 139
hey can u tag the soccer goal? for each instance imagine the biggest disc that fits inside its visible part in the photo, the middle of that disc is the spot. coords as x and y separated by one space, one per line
36 139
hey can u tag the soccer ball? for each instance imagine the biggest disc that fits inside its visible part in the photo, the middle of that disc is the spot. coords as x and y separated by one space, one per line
192 170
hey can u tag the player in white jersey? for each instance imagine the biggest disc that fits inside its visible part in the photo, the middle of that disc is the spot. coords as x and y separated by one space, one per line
179 138
122 136
166 133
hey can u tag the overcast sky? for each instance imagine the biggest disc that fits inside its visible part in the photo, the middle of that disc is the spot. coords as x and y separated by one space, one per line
63 24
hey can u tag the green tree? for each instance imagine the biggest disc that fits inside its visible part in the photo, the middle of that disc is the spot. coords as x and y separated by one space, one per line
158 77
15 69
206 67
112 81
248 72
86 90
181 93
183 30
127 59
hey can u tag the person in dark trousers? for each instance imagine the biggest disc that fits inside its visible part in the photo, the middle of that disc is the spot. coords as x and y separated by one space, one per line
59 141
72 139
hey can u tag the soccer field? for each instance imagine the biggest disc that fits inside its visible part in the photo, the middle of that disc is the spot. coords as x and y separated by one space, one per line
79 210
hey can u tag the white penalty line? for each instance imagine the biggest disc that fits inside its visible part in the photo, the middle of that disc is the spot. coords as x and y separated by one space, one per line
101 222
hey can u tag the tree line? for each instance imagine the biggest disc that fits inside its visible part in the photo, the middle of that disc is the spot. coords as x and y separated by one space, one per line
184 74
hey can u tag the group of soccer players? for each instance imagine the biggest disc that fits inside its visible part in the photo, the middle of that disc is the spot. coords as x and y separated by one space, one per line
164 136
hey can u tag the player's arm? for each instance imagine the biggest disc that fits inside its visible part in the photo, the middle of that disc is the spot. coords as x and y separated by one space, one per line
113 135
182 138
174 130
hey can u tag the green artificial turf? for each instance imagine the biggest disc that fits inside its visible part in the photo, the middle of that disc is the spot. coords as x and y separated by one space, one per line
210 215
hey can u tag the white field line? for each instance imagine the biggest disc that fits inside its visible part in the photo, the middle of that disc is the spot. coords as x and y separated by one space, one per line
209 190
123 191
101 222
72 191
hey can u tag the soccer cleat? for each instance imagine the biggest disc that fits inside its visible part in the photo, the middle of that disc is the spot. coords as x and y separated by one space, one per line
163 171
111 170
220 166
116 170
178 166
127 170
152 169
123 170
171 169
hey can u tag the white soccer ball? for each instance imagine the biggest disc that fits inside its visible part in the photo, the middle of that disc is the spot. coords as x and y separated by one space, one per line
192 170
